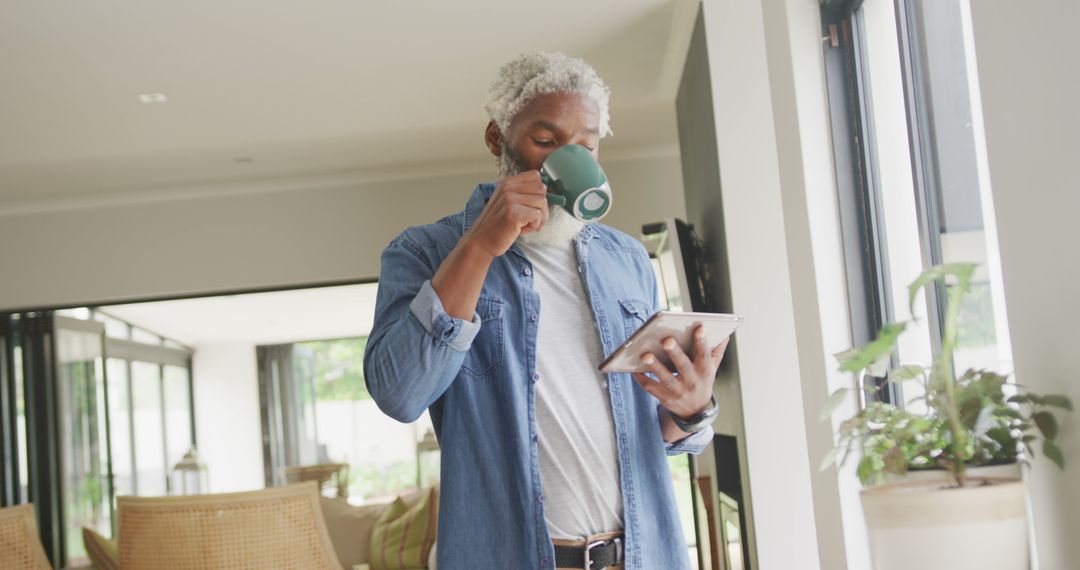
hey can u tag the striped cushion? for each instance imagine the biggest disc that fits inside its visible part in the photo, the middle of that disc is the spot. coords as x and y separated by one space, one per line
102 551
405 533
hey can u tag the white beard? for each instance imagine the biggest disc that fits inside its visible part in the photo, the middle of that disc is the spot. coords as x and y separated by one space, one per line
561 227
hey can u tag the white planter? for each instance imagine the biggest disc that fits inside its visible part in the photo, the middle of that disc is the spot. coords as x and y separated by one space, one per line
924 525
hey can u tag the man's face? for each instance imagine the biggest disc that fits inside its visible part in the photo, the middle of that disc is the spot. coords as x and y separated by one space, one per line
546 123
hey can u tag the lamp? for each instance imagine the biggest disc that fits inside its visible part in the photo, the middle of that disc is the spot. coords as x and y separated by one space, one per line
427 460
189 476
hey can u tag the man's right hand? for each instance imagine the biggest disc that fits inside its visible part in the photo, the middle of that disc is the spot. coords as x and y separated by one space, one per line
518 206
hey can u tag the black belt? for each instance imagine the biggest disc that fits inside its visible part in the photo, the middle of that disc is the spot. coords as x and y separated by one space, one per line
595 556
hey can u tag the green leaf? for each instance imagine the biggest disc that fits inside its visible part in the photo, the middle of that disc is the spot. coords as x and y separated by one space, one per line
1026 399
906 372
962 272
830 458
1058 401
1007 412
1051 450
875 350
844 356
969 411
866 469
834 401
1047 424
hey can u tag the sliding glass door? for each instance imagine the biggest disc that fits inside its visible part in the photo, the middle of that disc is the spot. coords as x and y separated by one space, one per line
287 390
317 412
55 426
72 401
150 405
84 454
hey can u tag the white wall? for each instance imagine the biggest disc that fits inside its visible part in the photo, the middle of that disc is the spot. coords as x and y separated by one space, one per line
705 210
816 266
227 416
1030 82
276 234
768 281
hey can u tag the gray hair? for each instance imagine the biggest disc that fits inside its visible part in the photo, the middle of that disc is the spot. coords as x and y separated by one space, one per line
540 73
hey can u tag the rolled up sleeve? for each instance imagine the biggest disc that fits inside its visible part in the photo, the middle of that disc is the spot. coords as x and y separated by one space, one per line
693 444
415 348
428 309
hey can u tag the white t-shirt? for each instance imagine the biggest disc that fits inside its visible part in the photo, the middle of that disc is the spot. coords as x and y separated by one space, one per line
579 469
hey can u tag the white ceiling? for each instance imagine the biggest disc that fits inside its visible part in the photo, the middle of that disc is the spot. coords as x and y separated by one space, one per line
295 88
259 318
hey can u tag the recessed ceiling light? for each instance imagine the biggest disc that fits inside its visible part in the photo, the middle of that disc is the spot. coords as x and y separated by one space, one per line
153 98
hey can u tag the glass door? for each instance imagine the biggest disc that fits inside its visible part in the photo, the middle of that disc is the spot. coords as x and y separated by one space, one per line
14 469
72 399
55 427
84 453
152 417
287 393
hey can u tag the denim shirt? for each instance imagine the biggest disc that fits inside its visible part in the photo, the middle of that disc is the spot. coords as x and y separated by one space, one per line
477 378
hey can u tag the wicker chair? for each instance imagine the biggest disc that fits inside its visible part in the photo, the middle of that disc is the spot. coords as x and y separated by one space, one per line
281 527
20 547
335 475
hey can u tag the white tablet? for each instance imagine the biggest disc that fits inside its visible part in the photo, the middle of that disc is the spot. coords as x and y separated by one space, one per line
664 324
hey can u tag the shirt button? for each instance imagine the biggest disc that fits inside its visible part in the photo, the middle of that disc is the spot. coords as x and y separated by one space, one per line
540 497
527 271
534 317
543 561
534 377
535 438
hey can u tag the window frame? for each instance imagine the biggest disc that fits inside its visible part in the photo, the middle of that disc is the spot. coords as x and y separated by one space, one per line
855 158
162 355
927 184
858 186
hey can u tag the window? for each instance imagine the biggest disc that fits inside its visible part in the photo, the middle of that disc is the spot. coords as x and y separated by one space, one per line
74 406
123 445
316 410
912 174
151 422
14 473
149 432
150 406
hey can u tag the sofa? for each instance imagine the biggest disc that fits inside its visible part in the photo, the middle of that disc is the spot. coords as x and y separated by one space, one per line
351 528
397 534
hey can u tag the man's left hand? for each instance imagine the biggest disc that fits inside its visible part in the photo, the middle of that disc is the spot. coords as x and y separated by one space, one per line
688 389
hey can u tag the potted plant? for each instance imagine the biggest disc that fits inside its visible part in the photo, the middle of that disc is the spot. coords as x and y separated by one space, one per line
958 519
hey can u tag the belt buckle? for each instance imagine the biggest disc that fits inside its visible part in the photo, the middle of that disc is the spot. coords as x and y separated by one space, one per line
588 553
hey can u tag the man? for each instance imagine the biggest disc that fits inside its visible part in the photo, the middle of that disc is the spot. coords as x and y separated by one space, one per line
496 318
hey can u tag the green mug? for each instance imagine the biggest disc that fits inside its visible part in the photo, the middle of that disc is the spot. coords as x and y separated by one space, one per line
576 182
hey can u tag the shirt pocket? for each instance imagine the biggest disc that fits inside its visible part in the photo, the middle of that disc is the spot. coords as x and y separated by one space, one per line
486 353
634 313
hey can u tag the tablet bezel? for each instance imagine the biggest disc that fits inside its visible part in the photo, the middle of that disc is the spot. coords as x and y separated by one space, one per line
665 324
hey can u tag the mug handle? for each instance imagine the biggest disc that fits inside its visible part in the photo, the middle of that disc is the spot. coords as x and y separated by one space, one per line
552 197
